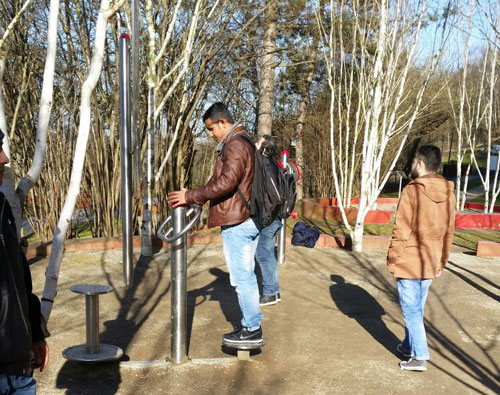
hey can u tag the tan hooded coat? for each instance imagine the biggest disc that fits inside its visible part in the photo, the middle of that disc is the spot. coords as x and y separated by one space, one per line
424 227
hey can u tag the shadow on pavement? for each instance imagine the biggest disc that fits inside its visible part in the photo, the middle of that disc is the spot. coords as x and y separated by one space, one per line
439 342
76 376
137 303
356 303
219 290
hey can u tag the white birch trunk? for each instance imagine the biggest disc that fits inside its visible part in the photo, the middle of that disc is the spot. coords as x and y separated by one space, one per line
185 64
33 175
489 126
147 211
371 130
52 272
380 87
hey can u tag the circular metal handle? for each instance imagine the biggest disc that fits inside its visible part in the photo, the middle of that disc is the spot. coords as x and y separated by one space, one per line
163 235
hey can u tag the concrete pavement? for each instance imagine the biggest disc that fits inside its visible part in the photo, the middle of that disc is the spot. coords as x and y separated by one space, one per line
334 332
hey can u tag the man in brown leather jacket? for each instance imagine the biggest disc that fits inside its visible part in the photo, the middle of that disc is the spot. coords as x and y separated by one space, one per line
230 183
420 248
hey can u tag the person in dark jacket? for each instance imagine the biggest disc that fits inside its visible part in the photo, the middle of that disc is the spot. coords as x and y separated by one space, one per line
226 189
265 254
21 334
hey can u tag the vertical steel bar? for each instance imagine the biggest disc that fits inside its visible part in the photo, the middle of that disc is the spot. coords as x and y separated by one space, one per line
134 97
178 344
400 183
92 323
126 168
282 234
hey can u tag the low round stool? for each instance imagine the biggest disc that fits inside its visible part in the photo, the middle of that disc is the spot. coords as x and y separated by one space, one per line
92 351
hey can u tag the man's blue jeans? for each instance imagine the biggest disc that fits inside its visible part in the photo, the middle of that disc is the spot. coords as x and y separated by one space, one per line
239 243
18 385
266 258
412 297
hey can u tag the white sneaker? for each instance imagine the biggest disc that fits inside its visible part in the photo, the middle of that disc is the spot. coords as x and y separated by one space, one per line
413 364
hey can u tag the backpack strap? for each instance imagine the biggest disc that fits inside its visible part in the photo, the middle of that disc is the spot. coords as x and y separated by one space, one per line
238 137
223 158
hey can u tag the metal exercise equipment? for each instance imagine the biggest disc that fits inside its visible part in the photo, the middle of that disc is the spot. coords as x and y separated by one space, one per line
282 234
92 351
126 160
178 240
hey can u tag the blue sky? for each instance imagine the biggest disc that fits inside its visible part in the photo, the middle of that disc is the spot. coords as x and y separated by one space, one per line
452 58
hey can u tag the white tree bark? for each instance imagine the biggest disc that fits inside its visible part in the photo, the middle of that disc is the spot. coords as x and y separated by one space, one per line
27 182
366 108
52 272
147 211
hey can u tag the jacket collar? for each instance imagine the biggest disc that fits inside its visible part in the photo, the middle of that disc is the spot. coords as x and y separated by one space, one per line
236 126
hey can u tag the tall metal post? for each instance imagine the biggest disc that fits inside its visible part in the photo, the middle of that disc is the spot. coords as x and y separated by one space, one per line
126 168
178 345
282 234
134 96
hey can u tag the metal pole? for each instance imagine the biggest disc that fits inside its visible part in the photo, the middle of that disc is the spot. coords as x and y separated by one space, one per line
282 235
126 168
134 97
92 323
400 182
178 345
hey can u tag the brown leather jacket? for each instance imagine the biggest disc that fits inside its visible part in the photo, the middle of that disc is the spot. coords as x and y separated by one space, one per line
424 227
226 205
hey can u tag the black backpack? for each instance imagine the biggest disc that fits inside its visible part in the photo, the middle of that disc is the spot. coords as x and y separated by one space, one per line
288 185
273 189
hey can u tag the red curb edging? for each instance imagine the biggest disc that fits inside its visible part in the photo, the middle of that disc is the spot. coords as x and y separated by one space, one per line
109 243
41 250
477 221
487 248
325 208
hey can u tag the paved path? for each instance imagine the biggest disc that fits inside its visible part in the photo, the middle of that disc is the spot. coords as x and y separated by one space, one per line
334 332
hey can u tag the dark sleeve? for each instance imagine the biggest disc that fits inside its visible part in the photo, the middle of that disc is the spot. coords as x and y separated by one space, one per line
237 155
33 303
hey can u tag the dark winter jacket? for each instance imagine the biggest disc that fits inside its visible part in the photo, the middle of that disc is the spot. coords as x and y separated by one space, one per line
305 235
20 318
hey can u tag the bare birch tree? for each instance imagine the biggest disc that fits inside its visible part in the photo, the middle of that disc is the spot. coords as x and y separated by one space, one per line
376 91
106 11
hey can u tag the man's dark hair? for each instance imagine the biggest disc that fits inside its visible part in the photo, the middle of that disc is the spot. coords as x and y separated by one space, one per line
270 145
431 156
216 112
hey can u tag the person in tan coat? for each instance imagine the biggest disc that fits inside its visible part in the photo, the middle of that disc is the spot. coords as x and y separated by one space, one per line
420 248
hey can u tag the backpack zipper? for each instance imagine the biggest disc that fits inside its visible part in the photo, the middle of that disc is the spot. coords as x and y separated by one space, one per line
274 185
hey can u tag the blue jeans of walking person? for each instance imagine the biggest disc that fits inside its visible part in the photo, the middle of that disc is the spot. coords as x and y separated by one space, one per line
412 297
17 384
266 258
239 243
